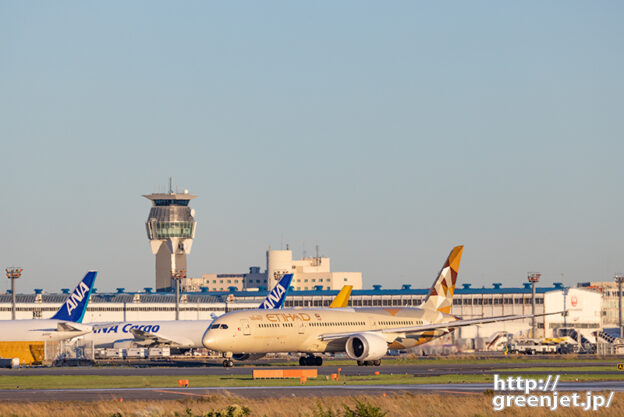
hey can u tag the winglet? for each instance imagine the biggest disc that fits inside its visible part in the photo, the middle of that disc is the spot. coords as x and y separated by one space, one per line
74 308
342 299
276 297
440 296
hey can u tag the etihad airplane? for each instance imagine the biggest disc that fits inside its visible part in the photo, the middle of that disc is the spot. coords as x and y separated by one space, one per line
365 334
183 334
65 324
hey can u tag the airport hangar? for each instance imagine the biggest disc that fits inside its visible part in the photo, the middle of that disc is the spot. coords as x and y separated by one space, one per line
583 306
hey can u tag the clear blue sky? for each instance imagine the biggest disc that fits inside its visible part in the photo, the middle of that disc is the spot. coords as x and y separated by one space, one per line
386 133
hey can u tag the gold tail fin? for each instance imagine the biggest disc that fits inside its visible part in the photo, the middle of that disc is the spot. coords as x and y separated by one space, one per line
342 299
440 296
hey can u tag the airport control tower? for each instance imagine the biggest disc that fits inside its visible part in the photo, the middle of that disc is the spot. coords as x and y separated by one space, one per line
170 229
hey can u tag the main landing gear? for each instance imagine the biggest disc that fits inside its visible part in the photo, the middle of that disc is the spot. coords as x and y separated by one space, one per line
228 363
310 360
369 363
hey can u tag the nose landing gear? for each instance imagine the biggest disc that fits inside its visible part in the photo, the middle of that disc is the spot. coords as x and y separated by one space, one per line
310 360
228 363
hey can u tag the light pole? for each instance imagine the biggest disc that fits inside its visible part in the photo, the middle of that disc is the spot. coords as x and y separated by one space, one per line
619 278
533 278
13 273
177 276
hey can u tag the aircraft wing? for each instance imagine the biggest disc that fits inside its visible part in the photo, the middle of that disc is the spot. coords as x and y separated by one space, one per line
65 326
435 326
151 338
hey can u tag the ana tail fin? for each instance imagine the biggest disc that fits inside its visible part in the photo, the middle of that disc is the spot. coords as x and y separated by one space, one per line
276 297
440 296
74 308
342 299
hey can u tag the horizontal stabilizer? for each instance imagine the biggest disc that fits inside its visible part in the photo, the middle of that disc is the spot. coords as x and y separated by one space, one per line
65 326
143 337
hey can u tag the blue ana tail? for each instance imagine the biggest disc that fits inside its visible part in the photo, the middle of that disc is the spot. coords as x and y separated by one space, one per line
73 309
276 297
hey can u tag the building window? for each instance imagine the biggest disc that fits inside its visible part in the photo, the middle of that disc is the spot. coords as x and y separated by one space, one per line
345 279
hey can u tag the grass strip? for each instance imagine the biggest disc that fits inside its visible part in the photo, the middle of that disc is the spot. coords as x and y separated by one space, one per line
104 381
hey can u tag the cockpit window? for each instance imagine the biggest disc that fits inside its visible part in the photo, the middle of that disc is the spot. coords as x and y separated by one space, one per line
215 326
224 326
219 326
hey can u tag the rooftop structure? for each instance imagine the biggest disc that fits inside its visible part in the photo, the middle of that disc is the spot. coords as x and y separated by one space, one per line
308 274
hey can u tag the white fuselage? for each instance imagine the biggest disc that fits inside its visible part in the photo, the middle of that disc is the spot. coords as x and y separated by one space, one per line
36 330
301 330
180 333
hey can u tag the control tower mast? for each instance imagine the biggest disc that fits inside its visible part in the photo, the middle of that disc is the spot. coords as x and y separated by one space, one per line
170 229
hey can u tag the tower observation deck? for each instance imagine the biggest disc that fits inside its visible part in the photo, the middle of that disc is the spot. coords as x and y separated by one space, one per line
170 229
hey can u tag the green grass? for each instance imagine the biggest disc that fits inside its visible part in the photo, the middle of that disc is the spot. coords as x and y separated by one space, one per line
424 361
560 369
103 381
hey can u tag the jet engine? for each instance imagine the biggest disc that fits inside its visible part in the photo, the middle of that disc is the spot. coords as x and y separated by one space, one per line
366 347
247 356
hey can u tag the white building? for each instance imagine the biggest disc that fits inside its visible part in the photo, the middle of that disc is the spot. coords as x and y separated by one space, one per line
312 273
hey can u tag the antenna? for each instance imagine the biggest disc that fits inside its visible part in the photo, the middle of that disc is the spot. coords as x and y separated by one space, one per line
170 187
318 259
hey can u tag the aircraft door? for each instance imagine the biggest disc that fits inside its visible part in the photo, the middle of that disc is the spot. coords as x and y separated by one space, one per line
302 327
245 327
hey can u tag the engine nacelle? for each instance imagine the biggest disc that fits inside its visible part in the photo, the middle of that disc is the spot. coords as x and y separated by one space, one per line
247 356
366 347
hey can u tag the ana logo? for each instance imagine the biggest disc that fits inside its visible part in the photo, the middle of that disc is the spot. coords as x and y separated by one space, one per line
76 297
274 297
574 301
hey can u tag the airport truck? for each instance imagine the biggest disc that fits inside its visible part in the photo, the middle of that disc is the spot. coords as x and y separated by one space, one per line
544 346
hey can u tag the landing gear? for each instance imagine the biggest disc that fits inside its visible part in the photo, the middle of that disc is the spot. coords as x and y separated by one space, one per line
369 363
228 363
310 360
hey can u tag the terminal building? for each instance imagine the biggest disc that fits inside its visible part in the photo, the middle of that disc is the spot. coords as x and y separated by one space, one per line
308 274
583 306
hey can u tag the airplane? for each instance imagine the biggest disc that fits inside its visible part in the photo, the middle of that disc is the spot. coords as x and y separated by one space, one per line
364 334
184 334
342 298
65 324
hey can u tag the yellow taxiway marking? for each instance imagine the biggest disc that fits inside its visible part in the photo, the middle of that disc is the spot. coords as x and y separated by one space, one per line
182 393
461 392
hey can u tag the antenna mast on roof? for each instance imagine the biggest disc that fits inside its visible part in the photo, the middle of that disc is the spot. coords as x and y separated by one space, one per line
170 186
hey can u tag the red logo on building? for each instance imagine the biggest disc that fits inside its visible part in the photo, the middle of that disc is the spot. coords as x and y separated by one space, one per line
574 301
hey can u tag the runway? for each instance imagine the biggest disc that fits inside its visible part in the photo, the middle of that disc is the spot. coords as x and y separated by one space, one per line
272 392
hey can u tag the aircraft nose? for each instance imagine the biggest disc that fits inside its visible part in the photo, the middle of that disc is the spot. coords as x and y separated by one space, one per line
208 339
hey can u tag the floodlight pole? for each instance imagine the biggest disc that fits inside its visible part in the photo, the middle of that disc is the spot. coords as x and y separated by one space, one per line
13 273
533 278
619 278
177 276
